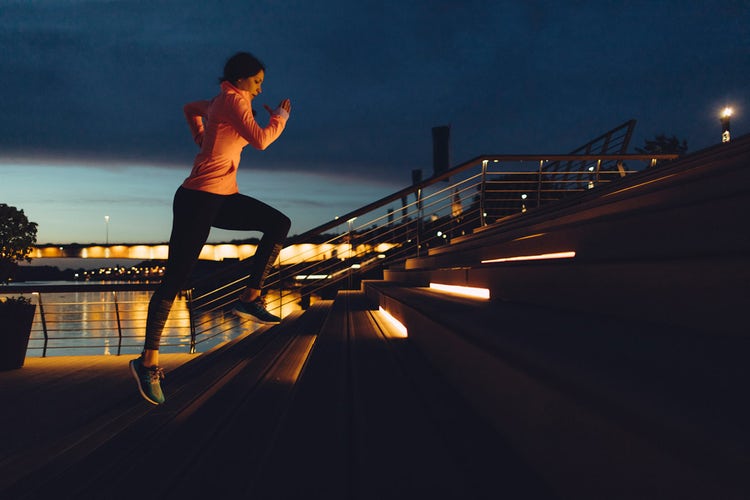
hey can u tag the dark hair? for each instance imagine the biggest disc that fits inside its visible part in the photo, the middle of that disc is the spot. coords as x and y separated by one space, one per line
241 65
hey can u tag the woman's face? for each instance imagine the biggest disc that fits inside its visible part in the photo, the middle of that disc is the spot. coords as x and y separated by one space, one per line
252 84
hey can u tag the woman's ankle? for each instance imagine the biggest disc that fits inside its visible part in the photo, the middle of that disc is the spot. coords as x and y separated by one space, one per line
249 294
150 358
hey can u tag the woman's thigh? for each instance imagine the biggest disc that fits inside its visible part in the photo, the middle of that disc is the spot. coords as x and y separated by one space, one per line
193 216
244 213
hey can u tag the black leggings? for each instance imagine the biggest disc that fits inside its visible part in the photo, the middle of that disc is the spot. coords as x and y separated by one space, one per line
194 213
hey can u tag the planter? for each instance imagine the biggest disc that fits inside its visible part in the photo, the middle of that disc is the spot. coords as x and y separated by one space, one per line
15 329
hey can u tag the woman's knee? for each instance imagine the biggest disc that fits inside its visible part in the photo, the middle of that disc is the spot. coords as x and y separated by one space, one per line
280 227
285 223
169 289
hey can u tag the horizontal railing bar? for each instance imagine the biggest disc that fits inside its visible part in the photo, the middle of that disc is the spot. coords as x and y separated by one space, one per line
83 287
460 168
536 173
405 222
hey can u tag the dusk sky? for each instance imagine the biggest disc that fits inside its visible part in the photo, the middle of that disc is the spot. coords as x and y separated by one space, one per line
92 121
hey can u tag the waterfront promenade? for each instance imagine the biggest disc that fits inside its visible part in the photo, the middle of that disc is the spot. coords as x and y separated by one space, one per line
369 419
336 403
52 400
610 362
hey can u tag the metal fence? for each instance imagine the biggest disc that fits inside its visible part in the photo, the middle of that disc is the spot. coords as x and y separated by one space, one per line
384 233
411 222
109 318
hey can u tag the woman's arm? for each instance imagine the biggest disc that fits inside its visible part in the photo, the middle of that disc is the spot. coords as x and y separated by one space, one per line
194 114
242 119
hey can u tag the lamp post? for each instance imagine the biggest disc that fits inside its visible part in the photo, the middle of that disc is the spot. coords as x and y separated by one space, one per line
106 224
725 115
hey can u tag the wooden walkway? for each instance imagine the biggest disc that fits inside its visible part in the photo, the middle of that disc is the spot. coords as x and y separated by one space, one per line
334 404
370 418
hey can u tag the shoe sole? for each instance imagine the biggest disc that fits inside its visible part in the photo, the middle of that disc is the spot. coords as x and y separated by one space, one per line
254 318
138 381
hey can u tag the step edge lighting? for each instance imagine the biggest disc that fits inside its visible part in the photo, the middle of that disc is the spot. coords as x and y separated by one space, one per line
543 256
469 291
396 324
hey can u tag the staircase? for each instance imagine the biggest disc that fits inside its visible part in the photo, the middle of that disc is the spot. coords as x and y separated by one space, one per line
617 370
332 403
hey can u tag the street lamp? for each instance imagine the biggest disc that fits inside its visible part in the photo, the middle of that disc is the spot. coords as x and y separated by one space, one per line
725 115
106 224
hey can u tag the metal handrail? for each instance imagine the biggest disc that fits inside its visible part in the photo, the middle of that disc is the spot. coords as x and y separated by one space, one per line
387 232
361 231
112 323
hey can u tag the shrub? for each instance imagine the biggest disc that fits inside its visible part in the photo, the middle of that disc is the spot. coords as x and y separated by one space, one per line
17 237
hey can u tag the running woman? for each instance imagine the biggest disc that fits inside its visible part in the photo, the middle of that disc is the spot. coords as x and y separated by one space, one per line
210 197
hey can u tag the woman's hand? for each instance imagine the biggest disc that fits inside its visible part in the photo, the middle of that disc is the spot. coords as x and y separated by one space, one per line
286 105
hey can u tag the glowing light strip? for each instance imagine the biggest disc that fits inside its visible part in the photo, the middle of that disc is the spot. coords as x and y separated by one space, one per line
312 276
479 293
543 256
661 179
530 236
396 324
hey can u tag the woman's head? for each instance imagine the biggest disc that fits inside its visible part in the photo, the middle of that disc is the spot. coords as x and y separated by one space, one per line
241 67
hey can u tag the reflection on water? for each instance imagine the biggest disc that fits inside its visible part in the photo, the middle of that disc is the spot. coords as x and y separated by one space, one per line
111 323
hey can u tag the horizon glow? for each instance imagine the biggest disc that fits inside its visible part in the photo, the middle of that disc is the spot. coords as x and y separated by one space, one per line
69 200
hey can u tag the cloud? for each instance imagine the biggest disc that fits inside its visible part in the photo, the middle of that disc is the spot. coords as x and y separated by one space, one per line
369 79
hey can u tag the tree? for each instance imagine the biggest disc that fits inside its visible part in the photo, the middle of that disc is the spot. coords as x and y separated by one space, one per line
664 145
17 237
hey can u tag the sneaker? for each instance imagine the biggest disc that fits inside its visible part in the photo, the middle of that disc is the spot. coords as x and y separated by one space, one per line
256 311
148 380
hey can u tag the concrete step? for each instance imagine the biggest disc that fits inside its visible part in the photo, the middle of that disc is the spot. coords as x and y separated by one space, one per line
702 294
599 407
371 419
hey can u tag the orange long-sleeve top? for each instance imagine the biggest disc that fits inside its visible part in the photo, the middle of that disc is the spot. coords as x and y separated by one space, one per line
222 127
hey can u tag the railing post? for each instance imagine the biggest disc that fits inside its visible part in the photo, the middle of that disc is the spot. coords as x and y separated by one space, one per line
44 323
119 325
483 181
191 314
352 251
420 214
539 184
621 168
280 284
